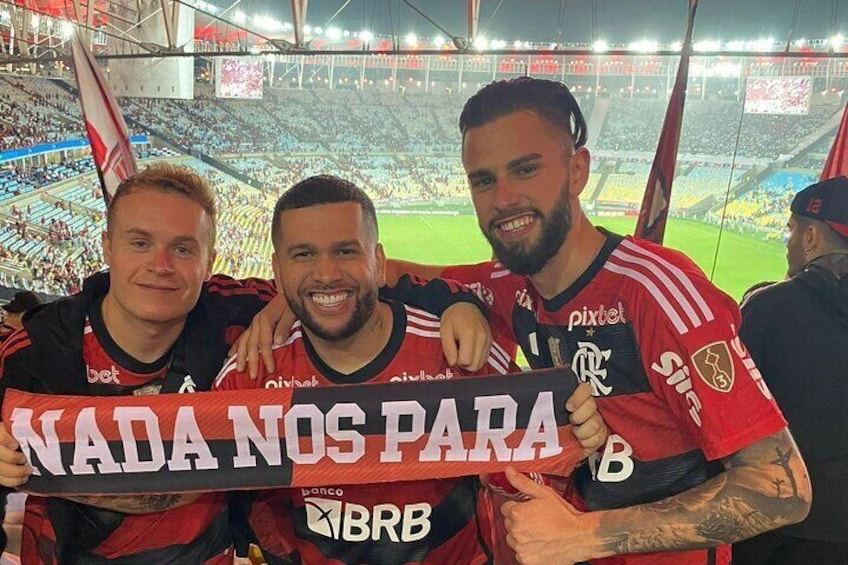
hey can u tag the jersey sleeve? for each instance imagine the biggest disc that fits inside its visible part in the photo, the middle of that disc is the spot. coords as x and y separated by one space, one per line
230 378
238 301
497 287
697 364
433 296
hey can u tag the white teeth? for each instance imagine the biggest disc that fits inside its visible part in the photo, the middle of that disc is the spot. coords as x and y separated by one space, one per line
329 299
518 223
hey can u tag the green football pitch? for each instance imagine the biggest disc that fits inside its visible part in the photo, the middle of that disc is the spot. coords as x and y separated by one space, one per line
446 240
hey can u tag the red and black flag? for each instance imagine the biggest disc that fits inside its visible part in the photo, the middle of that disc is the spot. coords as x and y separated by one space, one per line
301 437
107 132
837 160
655 203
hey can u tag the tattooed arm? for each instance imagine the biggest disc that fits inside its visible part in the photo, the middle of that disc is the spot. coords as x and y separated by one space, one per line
137 504
765 486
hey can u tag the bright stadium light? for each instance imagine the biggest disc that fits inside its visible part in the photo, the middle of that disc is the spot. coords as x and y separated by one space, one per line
600 46
735 45
333 33
516 44
366 36
239 17
800 42
707 45
497 44
318 30
837 41
411 40
307 29
481 43
644 46
439 41
67 29
677 46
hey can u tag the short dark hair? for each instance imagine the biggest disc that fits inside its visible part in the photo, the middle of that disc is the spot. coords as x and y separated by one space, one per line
551 100
322 189
833 240
170 179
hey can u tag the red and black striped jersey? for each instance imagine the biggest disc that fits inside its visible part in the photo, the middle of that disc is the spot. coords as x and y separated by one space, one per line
659 345
428 522
42 358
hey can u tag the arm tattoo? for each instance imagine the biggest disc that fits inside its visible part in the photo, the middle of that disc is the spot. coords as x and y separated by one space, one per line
139 504
765 486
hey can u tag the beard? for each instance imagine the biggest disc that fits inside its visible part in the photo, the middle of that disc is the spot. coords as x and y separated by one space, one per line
365 306
529 258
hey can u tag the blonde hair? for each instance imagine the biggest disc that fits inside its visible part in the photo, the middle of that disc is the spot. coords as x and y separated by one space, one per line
171 179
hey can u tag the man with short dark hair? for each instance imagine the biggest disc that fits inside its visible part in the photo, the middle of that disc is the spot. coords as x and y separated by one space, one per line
689 466
797 332
328 260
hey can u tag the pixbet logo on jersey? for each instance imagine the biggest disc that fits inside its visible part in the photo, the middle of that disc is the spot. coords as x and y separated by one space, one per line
600 316
107 376
340 520
280 382
422 376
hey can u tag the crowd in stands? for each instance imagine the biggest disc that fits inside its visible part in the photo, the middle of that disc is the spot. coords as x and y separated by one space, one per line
401 147
711 127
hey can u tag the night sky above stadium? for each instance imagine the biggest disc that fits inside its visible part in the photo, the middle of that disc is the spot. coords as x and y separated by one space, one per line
617 21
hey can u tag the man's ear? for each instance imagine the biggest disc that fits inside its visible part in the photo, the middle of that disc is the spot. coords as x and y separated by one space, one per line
578 171
275 265
381 264
106 244
211 264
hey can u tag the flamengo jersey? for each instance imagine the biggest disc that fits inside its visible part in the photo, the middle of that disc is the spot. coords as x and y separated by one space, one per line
58 532
428 522
658 344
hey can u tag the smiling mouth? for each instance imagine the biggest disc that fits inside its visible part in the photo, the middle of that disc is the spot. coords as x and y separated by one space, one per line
158 288
516 225
329 299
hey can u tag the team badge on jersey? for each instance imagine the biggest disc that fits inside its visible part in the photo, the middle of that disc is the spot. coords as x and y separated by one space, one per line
715 366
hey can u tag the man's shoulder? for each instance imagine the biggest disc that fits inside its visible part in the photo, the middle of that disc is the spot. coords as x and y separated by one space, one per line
655 282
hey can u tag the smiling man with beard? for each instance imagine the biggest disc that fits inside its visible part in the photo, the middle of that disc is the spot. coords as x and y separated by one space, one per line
328 260
698 455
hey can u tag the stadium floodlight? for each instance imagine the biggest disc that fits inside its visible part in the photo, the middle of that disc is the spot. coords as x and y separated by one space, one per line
644 46
707 45
516 44
600 46
800 42
67 29
481 43
411 40
677 46
837 41
439 41
333 33
318 30
239 17
497 44
735 45
254 50
307 29
366 36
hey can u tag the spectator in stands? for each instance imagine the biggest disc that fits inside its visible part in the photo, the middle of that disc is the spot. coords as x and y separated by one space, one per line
797 331
662 367
150 317
14 311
